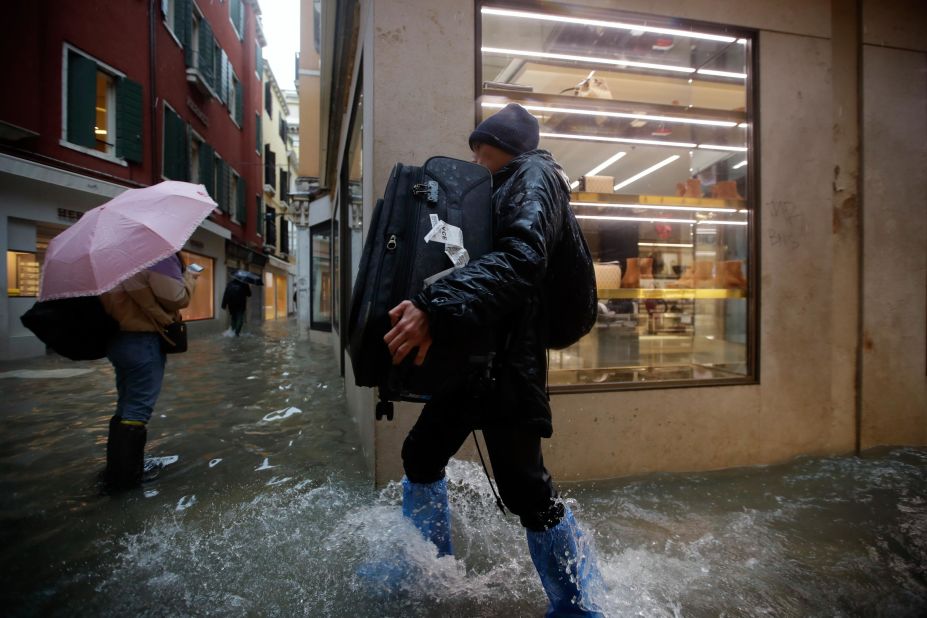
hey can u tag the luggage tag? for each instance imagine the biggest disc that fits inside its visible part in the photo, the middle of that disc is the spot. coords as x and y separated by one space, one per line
452 238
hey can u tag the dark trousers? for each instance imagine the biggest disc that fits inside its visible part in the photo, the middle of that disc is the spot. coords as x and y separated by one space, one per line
514 453
237 317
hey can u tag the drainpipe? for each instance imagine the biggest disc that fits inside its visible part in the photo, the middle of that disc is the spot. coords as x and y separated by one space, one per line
847 288
152 88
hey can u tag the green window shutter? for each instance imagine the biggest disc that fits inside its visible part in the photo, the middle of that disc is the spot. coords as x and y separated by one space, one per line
82 100
176 150
129 120
239 104
224 78
257 133
183 28
208 169
222 185
259 59
240 213
236 16
206 60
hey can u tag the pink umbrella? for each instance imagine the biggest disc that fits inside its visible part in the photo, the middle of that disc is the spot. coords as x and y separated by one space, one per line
124 236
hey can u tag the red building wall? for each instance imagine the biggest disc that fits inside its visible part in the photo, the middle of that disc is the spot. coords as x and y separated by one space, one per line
119 35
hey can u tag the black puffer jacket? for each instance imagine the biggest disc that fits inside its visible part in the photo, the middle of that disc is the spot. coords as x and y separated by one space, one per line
505 288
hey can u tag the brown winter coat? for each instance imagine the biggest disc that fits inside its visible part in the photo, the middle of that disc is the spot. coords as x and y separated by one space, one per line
156 294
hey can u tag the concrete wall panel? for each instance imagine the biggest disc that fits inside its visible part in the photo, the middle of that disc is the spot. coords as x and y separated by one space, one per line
894 381
895 23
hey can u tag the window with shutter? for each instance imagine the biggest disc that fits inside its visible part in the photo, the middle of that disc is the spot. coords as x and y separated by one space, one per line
239 103
208 169
82 96
258 60
129 120
237 17
241 215
175 149
257 133
222 185
268 100
224 82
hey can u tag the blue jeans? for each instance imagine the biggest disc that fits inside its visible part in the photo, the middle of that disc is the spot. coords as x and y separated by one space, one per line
139 364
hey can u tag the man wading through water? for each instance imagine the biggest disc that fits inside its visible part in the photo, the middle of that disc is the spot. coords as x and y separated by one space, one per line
504 288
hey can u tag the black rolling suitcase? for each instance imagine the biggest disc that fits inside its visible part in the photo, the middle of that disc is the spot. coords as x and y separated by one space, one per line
397 262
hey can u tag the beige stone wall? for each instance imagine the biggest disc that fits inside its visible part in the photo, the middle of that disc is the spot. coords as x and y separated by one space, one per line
894 356
421 84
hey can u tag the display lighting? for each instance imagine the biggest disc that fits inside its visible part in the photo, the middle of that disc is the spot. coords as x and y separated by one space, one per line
618 140
740 165
588 112
714 222
601 23
638 219
720 147
673 68
657 207
649 170
601 166
683 245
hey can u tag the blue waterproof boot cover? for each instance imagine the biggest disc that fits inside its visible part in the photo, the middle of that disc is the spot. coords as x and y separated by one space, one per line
426 505
567 567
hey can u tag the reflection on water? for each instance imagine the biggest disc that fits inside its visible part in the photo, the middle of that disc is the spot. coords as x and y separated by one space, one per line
269 511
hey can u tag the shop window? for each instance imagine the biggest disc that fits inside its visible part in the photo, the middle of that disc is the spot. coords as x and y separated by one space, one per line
202 305
275 296
320 281
103 109
652 121
22 274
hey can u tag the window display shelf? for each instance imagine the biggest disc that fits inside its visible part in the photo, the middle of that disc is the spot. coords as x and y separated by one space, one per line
671 293
582 198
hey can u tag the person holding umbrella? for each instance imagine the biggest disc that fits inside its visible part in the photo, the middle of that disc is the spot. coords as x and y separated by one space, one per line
126 252
143 305
235 299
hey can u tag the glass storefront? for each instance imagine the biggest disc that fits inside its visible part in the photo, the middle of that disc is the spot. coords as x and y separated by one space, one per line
202 305
22 274
651 119
275 296
321 276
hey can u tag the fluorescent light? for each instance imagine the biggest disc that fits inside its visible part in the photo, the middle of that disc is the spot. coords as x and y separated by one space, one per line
588 112
656 207
574 184
601 23
599 60
649 170
719 147
503 51
666 244
713 222
742 125
100 131
601 166
740 165
618 140
722 73
645 219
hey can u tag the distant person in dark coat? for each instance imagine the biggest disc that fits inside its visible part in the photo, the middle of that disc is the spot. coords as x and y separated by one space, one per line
235 299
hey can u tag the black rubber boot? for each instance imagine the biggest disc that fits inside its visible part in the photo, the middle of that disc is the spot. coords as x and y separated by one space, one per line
125 454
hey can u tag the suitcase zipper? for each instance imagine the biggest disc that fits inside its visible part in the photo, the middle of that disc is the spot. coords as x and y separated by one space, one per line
408 253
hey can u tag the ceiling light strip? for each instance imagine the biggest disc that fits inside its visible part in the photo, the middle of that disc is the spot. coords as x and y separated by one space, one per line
714 222
589 112
598 60
740 165
618 140
647 171
666 244
657 207
601 166
601 23
720 147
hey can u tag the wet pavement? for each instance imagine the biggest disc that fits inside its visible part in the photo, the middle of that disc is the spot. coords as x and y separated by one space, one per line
269 511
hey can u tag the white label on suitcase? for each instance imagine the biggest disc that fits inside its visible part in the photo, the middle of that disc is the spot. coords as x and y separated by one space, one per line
452 238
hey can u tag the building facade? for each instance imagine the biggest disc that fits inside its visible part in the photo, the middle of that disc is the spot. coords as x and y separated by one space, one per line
170 92
279 168
740 172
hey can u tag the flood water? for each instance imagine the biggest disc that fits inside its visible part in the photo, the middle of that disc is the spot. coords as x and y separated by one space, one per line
269 511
